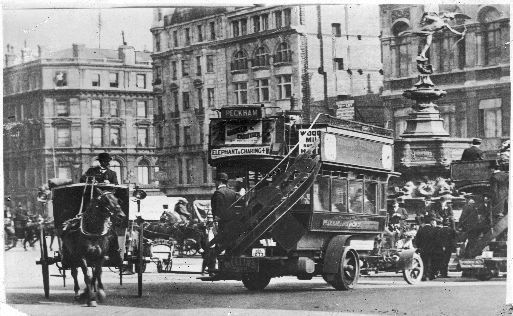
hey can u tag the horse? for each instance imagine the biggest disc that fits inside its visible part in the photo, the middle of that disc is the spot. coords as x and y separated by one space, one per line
88 244
31 230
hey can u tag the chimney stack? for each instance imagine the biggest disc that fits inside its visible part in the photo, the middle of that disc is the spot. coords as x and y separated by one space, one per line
127 54
10 57
76 49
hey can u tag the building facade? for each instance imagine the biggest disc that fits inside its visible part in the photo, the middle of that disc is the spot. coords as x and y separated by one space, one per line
474 70
310 59
63 108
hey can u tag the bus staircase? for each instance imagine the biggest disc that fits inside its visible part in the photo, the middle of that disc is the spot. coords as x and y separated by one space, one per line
268 206
487 238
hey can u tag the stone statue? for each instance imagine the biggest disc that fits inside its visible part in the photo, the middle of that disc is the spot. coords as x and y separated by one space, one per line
433 22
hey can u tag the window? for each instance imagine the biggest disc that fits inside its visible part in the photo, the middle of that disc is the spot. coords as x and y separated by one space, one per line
113 80
402 59
199 92
210 63
143 172
283 53
339 63
160 109
256 24
198 65
185 67
235 28
189 171
115 166
338 195
369 197
157 75
244 26
262 90
211 97
175 38
261 57
264 21
240 61
277 19
115 136
173 70
187 137
286 17
177 134
141 110
462 54
62 108
180 171
185 100
63 136
490 118
175 102
141 81
212 31
64 171
492 42
169 39
95 80
200 33
61 79
142 137
114 110
241 93
96 106
97 136
157 42
187 37
160 136
205 170
355 196
335 30
284 87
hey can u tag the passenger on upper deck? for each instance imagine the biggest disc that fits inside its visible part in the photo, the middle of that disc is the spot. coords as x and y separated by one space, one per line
473 153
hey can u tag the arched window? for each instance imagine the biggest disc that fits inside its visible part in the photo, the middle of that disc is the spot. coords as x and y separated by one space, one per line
261 57
115 166
491 35
240 61
143 172
399 26
283 54
488 14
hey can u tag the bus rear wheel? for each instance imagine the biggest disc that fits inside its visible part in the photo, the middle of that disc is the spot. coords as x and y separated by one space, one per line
256 281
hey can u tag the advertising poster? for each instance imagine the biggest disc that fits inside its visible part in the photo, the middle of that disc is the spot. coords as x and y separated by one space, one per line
248 133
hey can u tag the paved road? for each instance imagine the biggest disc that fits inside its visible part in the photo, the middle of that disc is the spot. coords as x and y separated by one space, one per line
183 294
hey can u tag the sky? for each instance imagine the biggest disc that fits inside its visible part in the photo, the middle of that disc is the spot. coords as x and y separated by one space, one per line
57 29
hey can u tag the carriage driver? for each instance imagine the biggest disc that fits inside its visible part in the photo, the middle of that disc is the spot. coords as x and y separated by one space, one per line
101 173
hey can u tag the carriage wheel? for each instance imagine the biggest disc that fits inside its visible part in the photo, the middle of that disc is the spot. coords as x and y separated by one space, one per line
414 274
44 264
190 247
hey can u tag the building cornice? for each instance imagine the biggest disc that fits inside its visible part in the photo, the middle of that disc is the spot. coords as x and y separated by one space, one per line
77 92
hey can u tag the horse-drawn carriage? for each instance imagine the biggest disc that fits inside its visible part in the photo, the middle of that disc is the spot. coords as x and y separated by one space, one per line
92 222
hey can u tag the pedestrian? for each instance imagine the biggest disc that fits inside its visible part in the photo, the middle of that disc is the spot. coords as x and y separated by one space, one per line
101 172
397 215
473 153
424 241
443 210
472 223
221 201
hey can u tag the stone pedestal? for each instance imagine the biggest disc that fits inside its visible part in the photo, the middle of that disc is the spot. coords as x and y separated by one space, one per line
425 148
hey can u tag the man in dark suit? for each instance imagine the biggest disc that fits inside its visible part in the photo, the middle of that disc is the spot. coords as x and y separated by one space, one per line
221 200
473 153
101 173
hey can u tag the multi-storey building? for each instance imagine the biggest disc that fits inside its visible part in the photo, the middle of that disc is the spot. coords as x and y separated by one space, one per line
288 58
474 70
63 108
